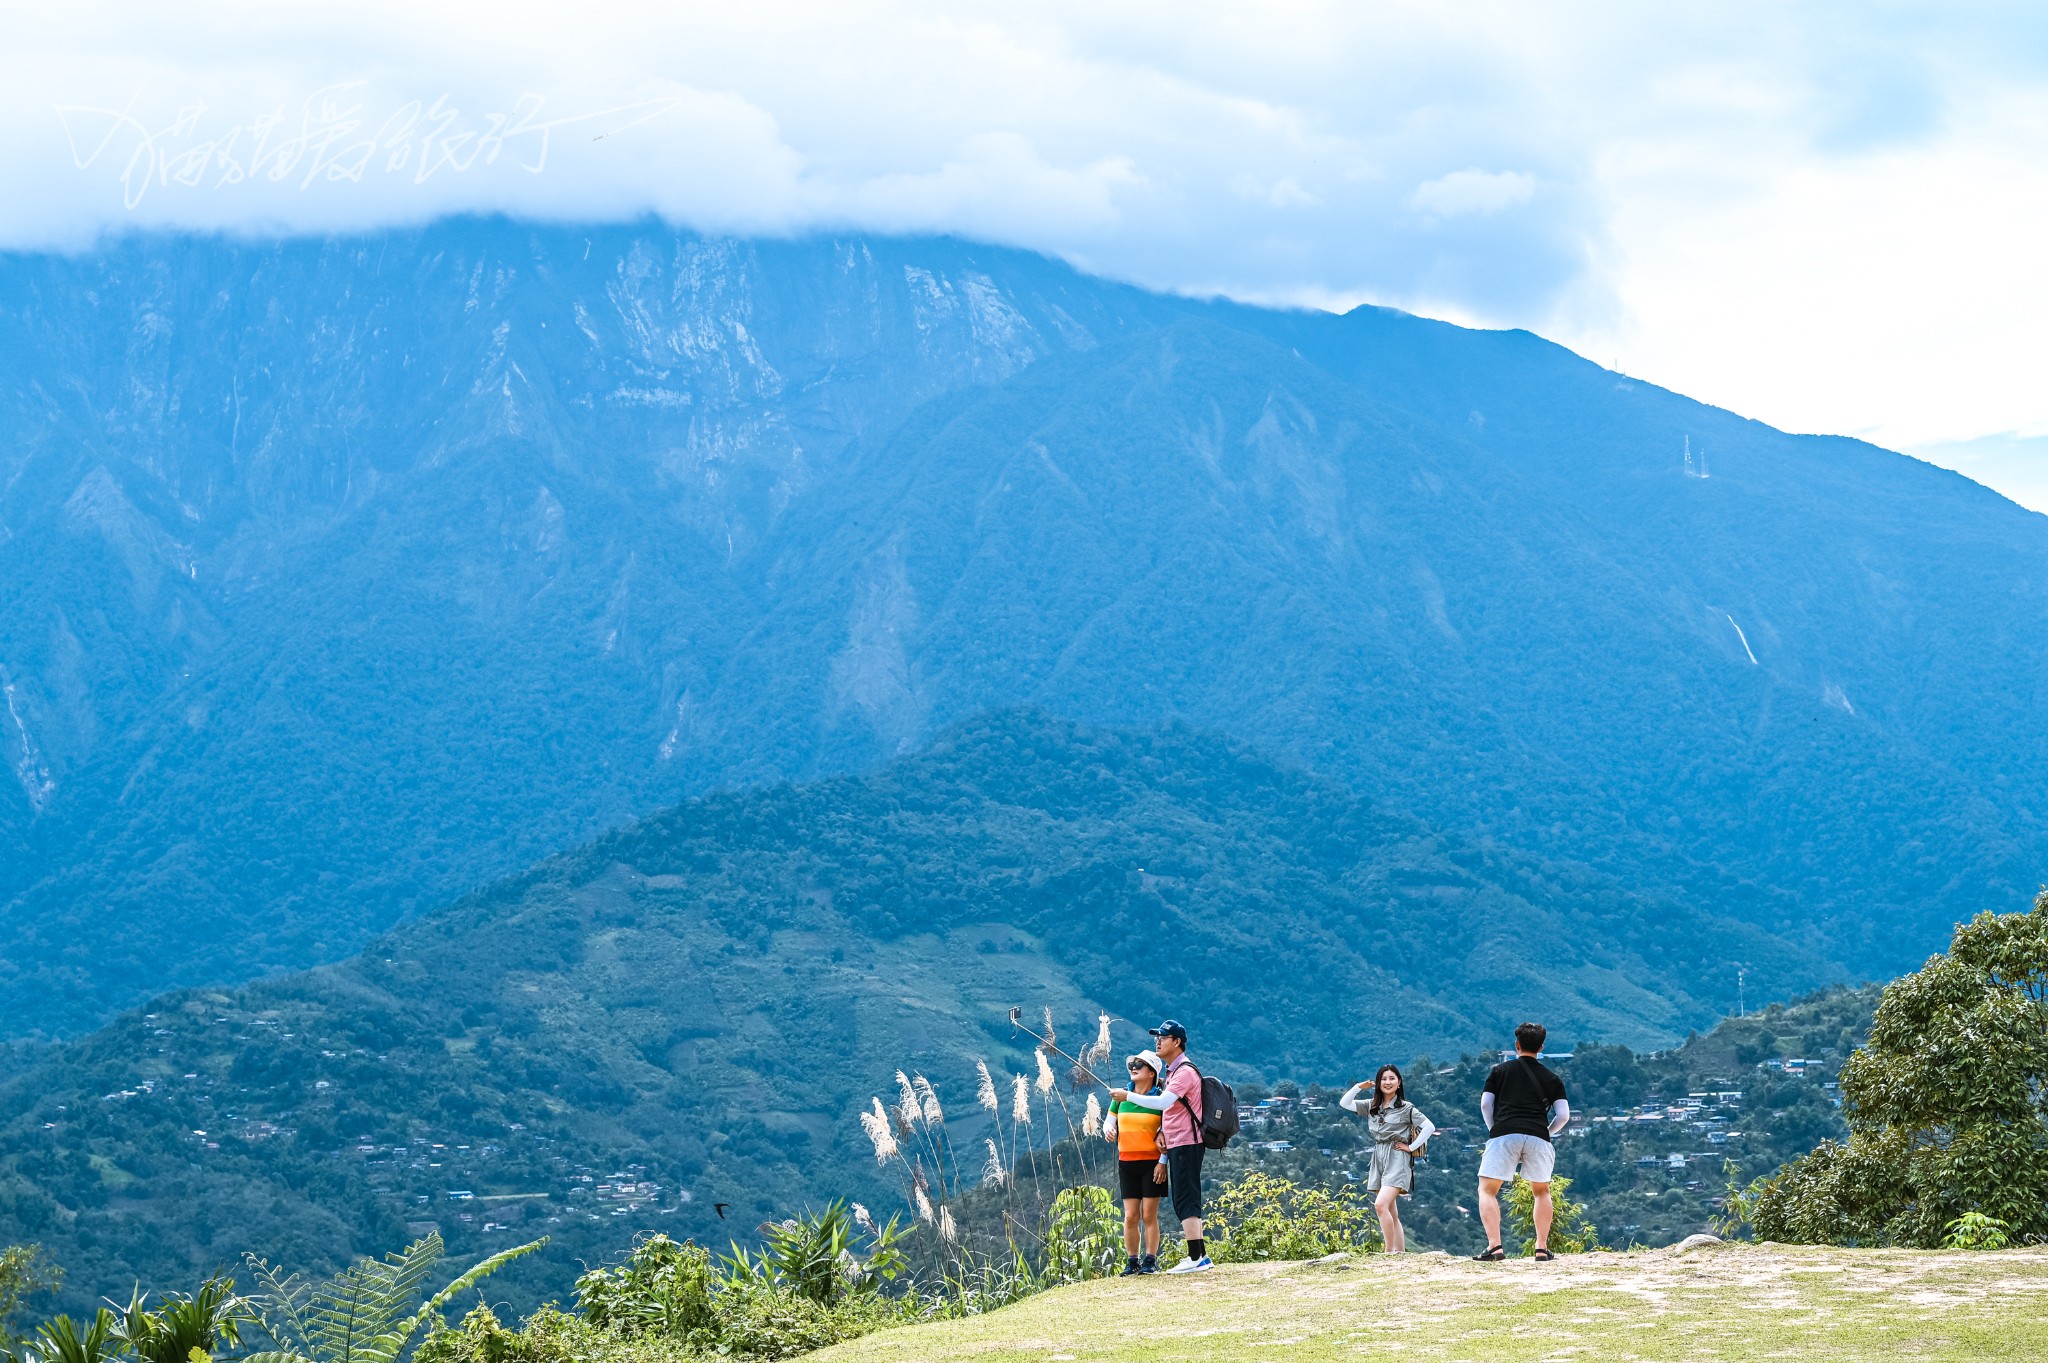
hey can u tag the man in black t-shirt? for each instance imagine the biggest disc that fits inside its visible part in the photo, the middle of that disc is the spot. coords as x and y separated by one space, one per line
1524 1106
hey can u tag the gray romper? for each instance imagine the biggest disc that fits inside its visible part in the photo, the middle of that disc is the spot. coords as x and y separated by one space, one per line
1393 1168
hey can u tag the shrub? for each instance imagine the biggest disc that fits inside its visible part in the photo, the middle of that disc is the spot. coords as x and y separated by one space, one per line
548 1336
661 1288
805 1289
1974 1230
1258 1216
813 1256
769 1323
1084 1236
1570 1231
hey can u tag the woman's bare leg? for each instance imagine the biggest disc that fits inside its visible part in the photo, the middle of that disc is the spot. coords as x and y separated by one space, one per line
1132 1226
1151 1214
1388 1205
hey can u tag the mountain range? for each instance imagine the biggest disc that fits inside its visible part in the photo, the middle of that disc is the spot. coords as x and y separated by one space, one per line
341 576
677 1026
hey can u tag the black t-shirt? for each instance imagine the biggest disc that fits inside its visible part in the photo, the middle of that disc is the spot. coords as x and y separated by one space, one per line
1523 1091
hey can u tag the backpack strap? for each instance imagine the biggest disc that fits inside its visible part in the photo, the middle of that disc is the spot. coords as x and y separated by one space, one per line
1183 1101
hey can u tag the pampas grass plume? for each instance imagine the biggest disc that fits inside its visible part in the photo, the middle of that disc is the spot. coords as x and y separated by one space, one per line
934 1115
876 1125
992 1172
908 1109
985 1094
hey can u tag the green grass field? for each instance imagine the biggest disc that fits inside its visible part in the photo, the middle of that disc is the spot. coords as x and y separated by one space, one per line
1715 1302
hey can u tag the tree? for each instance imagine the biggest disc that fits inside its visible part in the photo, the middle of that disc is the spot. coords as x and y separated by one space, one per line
24 1271
1947 1104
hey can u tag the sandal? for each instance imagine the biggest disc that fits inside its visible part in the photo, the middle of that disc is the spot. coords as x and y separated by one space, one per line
1543 1256
1492 1256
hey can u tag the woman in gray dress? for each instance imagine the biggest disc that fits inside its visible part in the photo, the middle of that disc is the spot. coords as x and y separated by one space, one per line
1399 1132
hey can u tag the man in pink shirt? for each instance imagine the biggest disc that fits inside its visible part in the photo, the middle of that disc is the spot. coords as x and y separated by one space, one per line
1178 1100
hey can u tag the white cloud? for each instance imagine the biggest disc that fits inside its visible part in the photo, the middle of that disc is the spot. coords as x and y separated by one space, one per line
1820 215
1465 192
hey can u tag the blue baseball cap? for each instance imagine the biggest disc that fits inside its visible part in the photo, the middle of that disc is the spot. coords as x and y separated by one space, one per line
1172 1029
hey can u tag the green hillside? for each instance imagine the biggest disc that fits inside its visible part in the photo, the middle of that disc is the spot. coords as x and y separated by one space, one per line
691 1011
1734 1302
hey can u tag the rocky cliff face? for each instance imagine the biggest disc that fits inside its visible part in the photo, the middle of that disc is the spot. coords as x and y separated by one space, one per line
337 576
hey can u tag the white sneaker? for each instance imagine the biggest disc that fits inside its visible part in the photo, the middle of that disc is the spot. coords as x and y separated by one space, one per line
1192 1265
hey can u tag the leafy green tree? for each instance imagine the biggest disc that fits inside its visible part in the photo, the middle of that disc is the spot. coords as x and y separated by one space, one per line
364 1314
24 1271
1947 1104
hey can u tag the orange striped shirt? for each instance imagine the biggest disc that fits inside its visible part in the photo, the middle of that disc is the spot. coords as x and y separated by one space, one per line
1137 1131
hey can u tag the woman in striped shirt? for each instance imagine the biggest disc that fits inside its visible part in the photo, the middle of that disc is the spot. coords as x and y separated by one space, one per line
1140 1165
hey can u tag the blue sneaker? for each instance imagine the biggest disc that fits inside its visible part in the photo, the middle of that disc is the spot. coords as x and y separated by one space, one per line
1192 1265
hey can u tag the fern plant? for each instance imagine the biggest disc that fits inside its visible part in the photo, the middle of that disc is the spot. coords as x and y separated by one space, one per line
364 1314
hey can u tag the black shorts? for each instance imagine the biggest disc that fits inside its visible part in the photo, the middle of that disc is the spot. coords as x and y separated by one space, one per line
1134 1178
1184 1172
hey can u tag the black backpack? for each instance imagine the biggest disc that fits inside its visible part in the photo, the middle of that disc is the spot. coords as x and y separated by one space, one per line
1219 1111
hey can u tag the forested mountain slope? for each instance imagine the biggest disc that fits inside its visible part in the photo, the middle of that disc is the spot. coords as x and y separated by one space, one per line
693 1010
339 576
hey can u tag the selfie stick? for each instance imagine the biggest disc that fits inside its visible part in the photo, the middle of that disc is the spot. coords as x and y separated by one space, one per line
1017 1021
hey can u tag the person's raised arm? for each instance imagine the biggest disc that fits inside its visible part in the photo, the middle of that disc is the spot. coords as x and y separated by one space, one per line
1158 1100
1351 1102
1560 1116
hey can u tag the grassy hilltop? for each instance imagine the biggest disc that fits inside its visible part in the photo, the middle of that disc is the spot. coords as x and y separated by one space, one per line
1728 1301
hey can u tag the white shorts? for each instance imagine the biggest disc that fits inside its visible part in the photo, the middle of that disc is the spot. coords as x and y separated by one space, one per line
1532 1156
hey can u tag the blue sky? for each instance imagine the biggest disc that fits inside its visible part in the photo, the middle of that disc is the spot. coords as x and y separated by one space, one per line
1824 216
